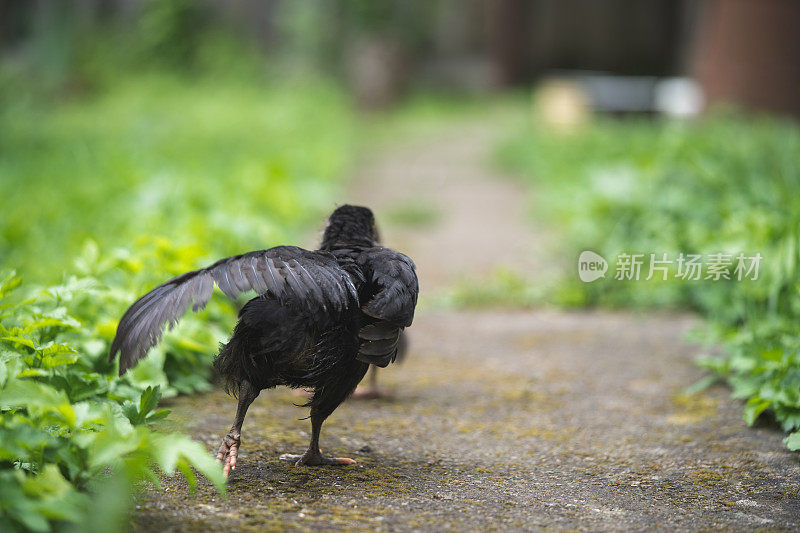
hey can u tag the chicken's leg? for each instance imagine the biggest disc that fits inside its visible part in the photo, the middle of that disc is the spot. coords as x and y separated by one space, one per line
371 391
327 398
313 456
229 450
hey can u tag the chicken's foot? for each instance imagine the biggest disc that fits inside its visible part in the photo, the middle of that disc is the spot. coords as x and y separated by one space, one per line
229 449
313 456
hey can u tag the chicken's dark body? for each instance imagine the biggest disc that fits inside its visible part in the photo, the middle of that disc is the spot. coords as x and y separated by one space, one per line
321 318
275 344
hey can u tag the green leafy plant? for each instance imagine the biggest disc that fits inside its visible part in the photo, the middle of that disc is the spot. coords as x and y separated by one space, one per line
726 184
68 426
227 165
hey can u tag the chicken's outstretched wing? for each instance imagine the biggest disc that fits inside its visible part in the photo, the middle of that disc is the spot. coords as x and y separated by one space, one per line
312 280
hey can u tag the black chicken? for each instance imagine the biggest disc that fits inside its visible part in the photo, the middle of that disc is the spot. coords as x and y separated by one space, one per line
321 318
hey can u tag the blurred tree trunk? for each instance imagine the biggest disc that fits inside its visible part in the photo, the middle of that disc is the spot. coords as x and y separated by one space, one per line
508 28
748 53
4 17
257 17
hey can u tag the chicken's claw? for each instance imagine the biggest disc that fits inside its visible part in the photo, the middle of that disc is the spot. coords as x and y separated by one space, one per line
315 459
228 452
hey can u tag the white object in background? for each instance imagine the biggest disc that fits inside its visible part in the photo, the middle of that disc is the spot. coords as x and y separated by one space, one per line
679 97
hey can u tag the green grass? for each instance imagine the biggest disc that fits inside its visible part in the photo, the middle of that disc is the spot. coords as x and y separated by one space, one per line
231 166
412 215
727 184
106 195
503 287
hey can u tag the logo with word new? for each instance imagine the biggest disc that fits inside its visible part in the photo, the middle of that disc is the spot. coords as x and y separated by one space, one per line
591 266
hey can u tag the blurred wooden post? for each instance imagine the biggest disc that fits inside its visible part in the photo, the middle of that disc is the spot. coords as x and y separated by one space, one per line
508 24
748 54
4 10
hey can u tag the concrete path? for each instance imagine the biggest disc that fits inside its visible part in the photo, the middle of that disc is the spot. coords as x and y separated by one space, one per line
509 420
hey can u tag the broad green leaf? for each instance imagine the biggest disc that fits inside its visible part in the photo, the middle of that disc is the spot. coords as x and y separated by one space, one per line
59 359
753 409
65 323
9 283
33 372
58 499
149 400
172 450
27 394
113 443
158 415
18 340
793 441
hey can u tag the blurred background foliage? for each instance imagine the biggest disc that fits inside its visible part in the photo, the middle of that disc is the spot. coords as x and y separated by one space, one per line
140 139
170 126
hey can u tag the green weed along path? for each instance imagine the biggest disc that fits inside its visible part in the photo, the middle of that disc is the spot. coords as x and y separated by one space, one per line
500 420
